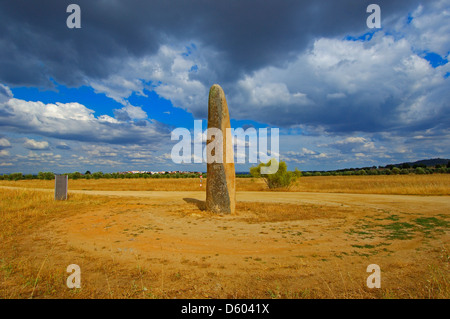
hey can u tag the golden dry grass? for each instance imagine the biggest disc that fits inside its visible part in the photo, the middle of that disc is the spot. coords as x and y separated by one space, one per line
21 210
435 184
33 259
256 212
23 216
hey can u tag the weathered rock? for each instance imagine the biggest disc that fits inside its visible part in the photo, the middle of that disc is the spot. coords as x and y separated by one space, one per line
220 186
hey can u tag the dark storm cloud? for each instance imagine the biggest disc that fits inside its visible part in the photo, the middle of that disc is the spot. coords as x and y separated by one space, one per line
36 45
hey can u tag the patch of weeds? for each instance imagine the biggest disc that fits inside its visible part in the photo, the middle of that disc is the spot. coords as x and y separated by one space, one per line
362 234
75 291
387 250
399 230
388 294
364 246
7 268
274 294
360 254
431 222
306 293
393 218
372 251
427 224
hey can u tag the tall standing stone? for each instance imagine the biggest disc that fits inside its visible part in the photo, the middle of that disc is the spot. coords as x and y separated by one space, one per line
220 185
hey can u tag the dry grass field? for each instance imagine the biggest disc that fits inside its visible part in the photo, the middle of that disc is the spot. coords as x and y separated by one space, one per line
153 239
437 184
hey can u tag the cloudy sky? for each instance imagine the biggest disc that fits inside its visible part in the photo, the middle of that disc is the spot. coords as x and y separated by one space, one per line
107 96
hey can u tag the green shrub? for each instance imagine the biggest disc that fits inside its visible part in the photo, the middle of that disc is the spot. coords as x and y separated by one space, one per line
404 171
46 175
361 172
97 175
281 179
75 175
15 176
419 170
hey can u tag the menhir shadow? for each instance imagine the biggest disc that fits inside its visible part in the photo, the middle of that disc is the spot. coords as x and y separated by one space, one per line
201 204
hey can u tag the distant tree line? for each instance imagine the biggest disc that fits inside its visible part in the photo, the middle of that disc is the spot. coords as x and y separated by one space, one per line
403 169
96 175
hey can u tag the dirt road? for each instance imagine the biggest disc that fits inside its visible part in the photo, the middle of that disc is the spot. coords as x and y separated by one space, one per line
426 203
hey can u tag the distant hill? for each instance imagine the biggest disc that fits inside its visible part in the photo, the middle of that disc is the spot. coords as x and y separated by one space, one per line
427 162
430 163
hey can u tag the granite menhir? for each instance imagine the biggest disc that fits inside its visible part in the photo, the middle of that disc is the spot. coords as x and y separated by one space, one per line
220 184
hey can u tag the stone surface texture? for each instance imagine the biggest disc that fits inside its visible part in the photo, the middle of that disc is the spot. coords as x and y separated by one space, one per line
221 185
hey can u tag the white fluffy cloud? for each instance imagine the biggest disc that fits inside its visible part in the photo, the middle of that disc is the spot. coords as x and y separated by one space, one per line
167 73
128 112
74 121
374 85
4 153
4 143
429 28
35 145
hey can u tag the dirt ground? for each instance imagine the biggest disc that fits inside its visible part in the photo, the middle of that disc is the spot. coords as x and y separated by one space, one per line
154 244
